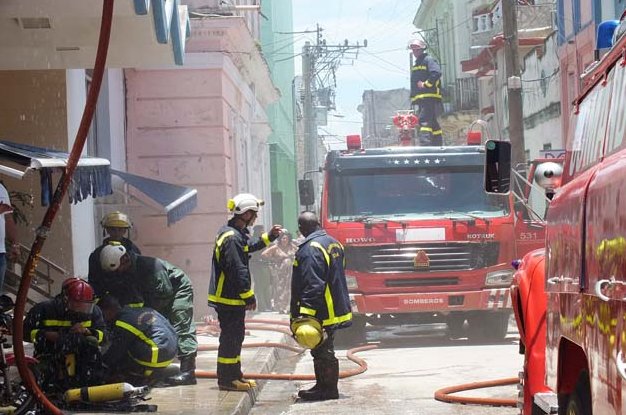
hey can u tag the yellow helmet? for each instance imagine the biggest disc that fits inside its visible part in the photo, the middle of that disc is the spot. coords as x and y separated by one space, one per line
116 220
308 332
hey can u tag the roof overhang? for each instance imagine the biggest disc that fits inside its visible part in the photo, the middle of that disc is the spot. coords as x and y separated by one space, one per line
92 176
63 34
174 200
483 63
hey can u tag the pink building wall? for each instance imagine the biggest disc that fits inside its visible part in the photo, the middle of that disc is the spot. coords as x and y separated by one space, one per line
178 132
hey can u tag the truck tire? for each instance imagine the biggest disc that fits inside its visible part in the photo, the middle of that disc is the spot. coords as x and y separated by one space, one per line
488 326
353 335
579 402
456 325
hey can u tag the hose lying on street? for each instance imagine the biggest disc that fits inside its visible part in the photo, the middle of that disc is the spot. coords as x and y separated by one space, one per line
281 327
444 394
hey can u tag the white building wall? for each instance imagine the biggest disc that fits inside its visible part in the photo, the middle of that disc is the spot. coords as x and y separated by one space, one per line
541 87
83 229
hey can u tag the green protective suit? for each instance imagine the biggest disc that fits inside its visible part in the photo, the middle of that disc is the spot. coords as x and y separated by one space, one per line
167 289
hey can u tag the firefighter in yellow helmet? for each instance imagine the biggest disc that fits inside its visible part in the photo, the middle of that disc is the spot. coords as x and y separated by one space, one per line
426 93
230 287
117 226
320 303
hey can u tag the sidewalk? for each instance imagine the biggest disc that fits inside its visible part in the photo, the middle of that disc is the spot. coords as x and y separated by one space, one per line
205 398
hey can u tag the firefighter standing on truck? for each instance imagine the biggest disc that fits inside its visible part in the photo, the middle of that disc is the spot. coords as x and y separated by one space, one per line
230 288
320 304
426 93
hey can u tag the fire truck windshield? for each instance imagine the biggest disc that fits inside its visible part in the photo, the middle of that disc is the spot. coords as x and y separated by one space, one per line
411 193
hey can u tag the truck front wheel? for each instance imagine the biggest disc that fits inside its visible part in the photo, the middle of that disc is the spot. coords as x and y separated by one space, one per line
488 326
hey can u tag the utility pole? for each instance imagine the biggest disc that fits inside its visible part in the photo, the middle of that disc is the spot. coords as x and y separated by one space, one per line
513 82
319 65
308 112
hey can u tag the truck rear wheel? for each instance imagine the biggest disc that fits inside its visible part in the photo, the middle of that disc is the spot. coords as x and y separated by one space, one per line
353 335
488 326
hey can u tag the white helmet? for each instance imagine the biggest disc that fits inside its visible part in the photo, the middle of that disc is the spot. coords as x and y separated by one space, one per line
417 44
111 257
244 202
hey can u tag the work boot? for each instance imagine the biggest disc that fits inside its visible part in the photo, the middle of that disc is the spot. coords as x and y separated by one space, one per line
236 386
250 382
327 389
317 366
187 374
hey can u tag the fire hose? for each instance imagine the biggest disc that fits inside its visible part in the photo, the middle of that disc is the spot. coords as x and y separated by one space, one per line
442 395
270 325
43 231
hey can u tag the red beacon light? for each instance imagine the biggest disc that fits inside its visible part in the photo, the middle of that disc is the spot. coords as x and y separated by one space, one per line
353 142
474 138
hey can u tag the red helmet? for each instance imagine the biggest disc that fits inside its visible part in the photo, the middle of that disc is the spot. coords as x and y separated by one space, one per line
78 295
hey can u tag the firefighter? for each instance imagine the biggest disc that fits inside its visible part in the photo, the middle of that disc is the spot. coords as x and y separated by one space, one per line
163 287
67 332
230 289
117 226
319 303
426 93
143 342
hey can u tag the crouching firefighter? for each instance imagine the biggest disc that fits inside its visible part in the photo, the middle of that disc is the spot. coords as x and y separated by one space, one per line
230 288
319 304
67 332
143 343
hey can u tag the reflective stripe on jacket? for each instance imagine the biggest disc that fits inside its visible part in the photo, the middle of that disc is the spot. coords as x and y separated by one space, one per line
145 335
51 315
230 282
428 71
318 284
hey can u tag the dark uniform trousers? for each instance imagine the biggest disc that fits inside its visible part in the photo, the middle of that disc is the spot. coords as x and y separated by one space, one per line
232 334
430 131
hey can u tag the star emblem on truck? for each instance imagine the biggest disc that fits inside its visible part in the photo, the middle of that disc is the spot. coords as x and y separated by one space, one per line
421 260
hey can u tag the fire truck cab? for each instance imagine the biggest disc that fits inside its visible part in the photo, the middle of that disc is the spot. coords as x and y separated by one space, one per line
424 243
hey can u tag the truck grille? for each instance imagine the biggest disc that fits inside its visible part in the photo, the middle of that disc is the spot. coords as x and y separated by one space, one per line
447 256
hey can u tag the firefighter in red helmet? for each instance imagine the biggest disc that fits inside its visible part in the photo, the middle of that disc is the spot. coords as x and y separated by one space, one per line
67 332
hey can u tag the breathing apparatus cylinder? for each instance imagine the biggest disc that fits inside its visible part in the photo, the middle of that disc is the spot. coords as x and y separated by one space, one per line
104 393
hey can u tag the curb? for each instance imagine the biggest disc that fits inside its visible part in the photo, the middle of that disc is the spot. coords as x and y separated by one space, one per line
263 361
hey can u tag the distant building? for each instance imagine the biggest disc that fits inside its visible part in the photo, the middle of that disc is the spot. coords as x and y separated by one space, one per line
378 108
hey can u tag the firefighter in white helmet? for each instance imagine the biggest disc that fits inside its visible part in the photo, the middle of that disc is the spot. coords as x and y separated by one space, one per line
426 93
230 287
162 286
320 303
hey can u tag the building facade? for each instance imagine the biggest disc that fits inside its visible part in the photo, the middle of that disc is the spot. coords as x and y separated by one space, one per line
277 45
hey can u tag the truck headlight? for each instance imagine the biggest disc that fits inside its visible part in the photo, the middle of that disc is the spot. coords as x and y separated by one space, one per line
352 284
499 278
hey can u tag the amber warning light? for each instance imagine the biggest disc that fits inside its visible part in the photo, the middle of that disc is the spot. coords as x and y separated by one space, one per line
353 142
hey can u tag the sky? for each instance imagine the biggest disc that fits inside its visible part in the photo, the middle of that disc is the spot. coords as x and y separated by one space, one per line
383 64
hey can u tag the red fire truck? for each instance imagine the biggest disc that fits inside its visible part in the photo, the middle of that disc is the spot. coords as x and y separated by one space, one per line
569 298
423 242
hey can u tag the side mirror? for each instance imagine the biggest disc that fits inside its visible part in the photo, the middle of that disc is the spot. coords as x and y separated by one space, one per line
497 167
306 192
